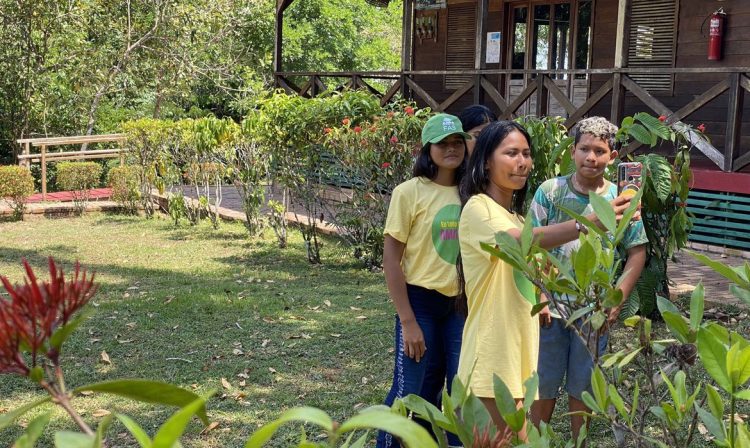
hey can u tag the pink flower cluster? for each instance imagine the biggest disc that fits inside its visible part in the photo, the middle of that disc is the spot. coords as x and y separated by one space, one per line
35 310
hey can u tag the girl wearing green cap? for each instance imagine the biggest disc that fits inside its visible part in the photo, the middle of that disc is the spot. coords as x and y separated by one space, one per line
419 260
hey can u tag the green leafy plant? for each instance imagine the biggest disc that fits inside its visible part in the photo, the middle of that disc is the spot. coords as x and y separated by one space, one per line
16 185
651 383
149 142
292 129
666 186
552 149
352 433
35 321
79 178
370 159
249 170
125 188
278 220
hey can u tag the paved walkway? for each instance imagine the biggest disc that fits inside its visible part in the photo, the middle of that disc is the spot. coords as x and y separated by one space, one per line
686 272
65 196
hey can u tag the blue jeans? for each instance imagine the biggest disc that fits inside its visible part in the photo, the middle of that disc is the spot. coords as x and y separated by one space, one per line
563 356
442 328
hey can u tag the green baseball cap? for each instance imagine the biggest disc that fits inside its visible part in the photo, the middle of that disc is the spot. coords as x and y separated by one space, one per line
440 126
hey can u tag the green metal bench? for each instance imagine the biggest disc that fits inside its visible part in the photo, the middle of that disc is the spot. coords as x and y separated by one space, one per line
721 219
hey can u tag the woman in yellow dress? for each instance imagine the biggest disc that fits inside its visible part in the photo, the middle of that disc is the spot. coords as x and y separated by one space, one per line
500 335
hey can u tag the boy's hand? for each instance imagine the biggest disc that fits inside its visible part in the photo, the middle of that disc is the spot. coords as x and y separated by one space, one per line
620 204
414 345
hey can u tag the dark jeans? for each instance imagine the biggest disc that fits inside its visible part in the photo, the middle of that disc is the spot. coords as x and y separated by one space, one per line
442 328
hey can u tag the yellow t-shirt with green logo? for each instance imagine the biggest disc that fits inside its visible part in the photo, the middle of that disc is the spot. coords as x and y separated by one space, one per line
424 216
500 336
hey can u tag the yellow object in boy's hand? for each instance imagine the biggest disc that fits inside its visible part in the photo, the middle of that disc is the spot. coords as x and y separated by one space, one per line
628 192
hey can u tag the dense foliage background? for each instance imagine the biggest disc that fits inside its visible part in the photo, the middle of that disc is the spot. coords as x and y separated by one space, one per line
87 65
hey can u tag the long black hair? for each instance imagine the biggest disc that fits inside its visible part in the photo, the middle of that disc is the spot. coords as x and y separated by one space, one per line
477 178
476 115
425 167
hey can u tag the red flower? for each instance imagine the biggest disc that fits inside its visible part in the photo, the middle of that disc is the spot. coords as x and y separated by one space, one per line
391 114
409 110
394 139
385 165
327 130
346 121
373 129
702 128
35 311
662 118
357 129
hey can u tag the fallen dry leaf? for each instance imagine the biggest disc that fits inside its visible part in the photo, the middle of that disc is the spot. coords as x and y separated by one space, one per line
243 383
100 413
105 358
210 427
354 308
268 320
327 302
86 393
361 317
225 383
237 352
336 335
272 370
265 342
130 325
125 341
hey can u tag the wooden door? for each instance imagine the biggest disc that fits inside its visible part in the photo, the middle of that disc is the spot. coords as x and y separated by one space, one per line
543 36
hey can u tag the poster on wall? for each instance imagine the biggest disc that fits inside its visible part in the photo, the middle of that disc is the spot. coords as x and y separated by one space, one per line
493 47
430 4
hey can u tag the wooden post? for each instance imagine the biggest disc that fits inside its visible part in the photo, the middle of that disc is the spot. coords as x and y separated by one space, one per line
480 49
621 37
407 41
27 151
618 99
281 6
734 120
621 43
541 96
44 172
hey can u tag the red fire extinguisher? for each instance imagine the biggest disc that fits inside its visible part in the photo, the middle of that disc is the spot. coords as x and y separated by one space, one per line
715 34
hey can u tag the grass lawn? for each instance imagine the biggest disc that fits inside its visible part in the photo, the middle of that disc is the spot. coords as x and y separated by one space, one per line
209 310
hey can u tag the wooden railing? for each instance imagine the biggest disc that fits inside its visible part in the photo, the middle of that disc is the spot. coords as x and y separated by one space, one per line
44 156
540 86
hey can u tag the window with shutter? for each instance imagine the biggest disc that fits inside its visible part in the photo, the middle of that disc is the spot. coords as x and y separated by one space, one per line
653 31
461 43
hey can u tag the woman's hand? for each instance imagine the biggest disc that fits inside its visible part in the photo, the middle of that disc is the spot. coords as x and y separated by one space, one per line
413 339
545 316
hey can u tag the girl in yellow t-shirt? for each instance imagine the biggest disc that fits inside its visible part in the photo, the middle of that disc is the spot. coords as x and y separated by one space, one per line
500 335
419 261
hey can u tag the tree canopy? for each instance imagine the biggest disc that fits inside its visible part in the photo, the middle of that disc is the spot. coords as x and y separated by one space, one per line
88 65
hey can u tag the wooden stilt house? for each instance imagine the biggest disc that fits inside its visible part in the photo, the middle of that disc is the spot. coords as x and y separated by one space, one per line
688 60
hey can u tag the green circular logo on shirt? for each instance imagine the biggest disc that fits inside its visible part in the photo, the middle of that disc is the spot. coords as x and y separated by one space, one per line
524 286
445 232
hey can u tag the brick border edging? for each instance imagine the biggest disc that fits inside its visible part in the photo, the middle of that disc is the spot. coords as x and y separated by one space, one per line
61 209
719 250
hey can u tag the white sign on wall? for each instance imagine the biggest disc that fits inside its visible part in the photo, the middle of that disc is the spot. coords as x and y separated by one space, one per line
429 4
494 40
